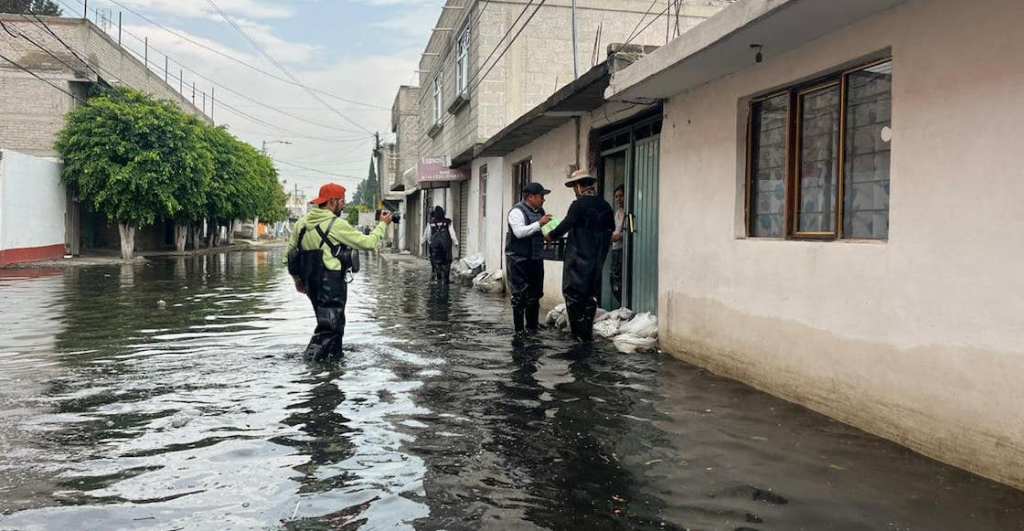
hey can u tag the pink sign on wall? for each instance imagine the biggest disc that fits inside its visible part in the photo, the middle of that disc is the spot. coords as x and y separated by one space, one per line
436 170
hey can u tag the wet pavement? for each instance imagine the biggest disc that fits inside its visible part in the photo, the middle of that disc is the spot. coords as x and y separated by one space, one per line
119 412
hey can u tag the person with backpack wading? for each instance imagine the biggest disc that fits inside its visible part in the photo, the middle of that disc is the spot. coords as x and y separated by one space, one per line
524 253
439 236
320 254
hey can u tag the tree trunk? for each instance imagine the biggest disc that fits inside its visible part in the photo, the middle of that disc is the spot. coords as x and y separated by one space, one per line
127 241
196 230
211 231
180 236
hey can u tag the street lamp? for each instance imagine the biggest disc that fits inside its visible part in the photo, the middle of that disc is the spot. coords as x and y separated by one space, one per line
271 142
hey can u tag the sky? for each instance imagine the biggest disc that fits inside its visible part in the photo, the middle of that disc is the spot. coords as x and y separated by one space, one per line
356 50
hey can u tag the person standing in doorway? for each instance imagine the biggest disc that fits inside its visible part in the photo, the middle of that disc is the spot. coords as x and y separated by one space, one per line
524 251
319 256
439 237
617 242
589 224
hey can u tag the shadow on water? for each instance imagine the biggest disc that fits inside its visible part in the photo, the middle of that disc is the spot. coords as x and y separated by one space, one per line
171 395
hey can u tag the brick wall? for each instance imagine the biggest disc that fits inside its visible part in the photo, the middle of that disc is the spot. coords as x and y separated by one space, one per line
32 112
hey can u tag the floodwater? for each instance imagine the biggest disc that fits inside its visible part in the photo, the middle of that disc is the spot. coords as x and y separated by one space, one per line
117 412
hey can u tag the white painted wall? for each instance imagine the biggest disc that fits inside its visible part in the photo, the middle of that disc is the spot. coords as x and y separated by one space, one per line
487 236
32 202
917 339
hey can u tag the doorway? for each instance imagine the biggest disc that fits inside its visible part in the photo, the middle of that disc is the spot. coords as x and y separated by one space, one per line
629 163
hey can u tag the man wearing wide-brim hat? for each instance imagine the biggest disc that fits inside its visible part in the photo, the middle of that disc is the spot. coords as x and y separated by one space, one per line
589 225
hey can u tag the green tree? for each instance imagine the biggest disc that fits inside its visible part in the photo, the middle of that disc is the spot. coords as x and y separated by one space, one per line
38 7
135 160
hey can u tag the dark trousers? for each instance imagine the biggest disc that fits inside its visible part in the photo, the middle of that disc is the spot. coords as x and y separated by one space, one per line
441 261
581 309
616 274
526 282
328 292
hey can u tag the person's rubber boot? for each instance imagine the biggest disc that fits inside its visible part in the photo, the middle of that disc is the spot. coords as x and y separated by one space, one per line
533 318
518 320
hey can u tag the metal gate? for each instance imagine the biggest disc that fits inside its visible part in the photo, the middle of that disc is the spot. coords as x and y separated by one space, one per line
644 217
463 227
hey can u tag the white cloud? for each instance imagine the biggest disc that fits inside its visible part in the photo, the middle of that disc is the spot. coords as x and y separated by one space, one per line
342 151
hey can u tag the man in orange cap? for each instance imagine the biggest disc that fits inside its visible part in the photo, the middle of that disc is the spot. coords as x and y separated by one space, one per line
319 257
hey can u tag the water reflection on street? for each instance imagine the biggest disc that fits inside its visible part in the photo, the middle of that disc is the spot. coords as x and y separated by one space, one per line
118 411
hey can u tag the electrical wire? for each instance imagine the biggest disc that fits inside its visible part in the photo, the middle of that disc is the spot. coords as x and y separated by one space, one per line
226 88
33 74
282 68
237 60
653 20
540 4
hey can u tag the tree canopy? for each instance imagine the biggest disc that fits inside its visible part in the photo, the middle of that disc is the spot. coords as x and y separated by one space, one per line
138 160
38 7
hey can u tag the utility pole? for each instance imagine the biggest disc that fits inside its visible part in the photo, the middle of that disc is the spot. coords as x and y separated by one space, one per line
575 71
379 155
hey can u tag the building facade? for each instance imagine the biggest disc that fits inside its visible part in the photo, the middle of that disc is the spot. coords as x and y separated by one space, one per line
52 73
488 63
818 193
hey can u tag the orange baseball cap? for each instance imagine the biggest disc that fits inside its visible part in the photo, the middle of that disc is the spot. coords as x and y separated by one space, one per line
329 191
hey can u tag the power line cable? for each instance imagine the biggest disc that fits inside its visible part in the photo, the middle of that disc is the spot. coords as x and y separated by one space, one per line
237 60
653 20
500 56
33 74
641 21
282 68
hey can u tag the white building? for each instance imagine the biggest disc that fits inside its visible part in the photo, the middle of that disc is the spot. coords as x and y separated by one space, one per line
840 221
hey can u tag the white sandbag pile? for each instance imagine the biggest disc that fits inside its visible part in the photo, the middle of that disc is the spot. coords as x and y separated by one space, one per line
628 331
640 334
468 268
490 282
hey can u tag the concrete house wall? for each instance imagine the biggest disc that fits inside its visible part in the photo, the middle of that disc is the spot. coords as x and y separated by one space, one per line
33 206
917 338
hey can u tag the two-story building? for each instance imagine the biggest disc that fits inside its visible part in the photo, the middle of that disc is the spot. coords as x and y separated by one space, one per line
52 64
487 63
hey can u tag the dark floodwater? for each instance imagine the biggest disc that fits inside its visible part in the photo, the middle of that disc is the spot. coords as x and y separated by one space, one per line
117 414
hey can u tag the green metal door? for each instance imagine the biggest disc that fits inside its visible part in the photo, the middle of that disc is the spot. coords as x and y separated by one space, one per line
644 238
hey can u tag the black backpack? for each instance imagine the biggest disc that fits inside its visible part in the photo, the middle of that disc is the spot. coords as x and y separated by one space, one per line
305 264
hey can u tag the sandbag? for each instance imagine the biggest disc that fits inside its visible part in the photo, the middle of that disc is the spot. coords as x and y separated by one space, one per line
622 314
607 328
644 325
468 268
630 344
552 318
490 282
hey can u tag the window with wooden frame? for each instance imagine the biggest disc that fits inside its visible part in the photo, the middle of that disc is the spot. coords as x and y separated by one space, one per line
521 176
818 158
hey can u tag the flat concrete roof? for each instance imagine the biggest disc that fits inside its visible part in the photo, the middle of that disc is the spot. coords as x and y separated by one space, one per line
720 45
